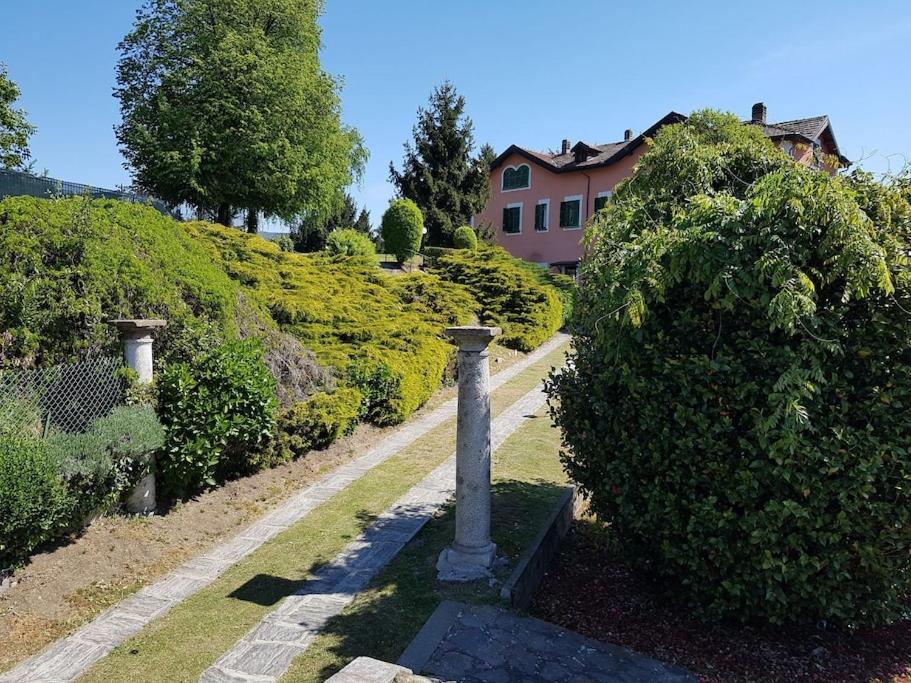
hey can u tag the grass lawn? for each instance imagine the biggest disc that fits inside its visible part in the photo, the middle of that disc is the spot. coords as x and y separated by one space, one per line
193 635
528 481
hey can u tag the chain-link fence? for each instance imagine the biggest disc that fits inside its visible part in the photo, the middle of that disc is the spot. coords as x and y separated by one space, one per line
63 398
17 183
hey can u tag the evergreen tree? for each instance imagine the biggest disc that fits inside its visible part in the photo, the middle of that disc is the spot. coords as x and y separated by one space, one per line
439 172
362 224
311 230
14 127
225 107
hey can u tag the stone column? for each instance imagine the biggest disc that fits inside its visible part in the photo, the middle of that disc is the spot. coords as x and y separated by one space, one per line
472 553
136 336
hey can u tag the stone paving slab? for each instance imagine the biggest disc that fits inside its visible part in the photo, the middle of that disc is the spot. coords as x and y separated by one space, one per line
95 641
483 644
338 582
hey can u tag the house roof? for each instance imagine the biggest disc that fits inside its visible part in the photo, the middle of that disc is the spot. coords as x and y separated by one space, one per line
806 130
607 154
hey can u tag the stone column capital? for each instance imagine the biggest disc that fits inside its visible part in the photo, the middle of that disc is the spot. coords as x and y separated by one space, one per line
473 338
137 328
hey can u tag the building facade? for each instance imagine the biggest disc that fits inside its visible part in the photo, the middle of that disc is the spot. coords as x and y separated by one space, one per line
540 201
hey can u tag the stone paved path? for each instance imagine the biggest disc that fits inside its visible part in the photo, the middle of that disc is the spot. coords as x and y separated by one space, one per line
267 650
69 657
481 644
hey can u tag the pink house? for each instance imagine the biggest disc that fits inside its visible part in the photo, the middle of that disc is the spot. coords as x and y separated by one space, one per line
540 201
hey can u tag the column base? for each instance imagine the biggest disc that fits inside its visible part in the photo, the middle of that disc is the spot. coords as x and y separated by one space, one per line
141 500
459 566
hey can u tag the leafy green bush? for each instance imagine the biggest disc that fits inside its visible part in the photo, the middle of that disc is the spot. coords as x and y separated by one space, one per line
349 242
99 466
511 294
34 507
465 238
211 283
218 413
285 243
737 402
67 266
320 420
402 229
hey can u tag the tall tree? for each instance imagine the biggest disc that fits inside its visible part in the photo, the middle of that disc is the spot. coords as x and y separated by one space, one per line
362 224
225 107
440 172
311 230
14 126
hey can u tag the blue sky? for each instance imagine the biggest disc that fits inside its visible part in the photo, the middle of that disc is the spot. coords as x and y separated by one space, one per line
532 72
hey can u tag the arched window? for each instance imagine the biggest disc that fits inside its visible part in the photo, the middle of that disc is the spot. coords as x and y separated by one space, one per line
516 178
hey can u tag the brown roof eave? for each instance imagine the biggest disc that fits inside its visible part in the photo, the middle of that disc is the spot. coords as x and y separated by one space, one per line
672 117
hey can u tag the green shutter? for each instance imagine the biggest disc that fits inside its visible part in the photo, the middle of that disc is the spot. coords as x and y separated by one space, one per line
511 218
541 217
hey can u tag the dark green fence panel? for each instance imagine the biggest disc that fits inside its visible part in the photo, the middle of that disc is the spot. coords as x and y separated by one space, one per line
17 184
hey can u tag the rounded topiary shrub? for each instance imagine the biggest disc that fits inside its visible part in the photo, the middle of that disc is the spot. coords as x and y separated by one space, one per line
465 238
737 403
402 228
349 242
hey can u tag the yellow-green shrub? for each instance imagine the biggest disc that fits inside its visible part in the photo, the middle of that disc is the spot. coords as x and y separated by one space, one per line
511 294
318 421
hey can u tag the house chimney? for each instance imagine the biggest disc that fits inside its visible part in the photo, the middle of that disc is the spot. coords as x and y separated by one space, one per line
564 148
627 135
759 113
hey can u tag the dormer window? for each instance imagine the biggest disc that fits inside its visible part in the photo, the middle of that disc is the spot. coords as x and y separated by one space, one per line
516 178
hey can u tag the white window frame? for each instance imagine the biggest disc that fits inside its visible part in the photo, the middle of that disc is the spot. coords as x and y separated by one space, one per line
515 205
572 198
545 202
515 168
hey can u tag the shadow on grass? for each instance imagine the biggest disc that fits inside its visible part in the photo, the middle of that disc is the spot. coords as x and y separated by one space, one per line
386 616
265 590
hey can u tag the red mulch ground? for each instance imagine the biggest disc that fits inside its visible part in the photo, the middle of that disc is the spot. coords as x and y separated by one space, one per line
589 591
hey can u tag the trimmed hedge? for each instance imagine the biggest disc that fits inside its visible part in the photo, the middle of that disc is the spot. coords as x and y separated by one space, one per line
514 295
402 229
34 506
465 238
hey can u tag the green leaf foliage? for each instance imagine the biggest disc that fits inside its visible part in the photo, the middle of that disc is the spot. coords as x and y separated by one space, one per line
105 462
350 242
219 417
225 107
736 405
15 129
464 238
319 421
68 266
34 506
512 293
402 228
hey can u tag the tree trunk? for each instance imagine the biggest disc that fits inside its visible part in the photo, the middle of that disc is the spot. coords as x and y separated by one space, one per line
224 215
252 221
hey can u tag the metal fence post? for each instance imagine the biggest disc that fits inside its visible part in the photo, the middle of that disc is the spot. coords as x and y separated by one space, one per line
137 340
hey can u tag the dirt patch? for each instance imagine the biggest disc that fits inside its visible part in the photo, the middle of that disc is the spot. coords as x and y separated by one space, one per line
70 582
589 590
